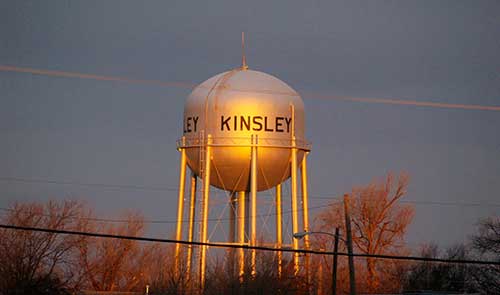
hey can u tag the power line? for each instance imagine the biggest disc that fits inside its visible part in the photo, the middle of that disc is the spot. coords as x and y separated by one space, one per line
431 203
411 103
53 73
460 204
133 187
111 220
190 85
262 248
102 185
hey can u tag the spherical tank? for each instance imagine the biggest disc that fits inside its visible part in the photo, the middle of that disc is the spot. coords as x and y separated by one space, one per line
232 107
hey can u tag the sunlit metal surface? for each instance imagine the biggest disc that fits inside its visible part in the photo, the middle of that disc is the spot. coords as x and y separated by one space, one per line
231 107
243 132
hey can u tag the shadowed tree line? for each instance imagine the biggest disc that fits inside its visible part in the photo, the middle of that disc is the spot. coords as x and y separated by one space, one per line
49 263
380 222
463 278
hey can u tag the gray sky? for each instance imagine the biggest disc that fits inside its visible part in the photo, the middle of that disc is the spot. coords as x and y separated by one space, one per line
89 131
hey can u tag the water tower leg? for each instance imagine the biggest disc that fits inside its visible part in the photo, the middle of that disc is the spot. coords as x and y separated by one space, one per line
295 217
247 218
241 232
232 229
305 214
204 204
192 209
253 203
279 230
180 209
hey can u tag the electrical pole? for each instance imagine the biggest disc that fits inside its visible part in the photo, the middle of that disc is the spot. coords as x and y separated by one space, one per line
334 266
347 211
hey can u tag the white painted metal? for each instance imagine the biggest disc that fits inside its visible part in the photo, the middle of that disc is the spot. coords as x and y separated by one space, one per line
204 205
253 202
180 209
248 127
192 210
249 95
241 232
279 229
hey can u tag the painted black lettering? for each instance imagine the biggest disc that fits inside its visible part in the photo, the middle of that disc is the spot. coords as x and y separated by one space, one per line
288 121
188 124
246 123
265 126
235 123
257 120
279 124
224 123
195 120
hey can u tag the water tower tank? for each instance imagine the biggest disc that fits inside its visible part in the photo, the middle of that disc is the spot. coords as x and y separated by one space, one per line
233 106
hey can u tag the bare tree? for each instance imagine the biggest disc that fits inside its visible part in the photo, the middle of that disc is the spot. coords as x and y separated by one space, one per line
446 277
37 261
379 223
265 281
116 264
488 239
51 263
162 276
487 243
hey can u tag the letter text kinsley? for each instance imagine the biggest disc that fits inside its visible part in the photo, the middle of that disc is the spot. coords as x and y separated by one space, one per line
252 123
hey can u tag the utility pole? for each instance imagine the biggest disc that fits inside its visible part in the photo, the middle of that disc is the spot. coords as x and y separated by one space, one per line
334 266
347 211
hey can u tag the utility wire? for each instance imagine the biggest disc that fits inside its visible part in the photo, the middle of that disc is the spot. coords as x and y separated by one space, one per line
460 204
262 248
106 185
165 221
438 203
53 73
190 85
175 189
102 185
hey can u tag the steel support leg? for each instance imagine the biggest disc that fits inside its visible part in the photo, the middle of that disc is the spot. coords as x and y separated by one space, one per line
192 210
180 209
279 229
305 214
241 233
253 203
295 216
204 204
232 229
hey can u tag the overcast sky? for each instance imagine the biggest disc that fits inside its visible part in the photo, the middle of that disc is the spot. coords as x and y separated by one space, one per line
103 132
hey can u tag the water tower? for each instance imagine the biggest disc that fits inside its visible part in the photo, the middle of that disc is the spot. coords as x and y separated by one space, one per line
243 132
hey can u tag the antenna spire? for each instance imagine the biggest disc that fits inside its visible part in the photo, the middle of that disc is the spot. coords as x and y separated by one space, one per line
244 65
